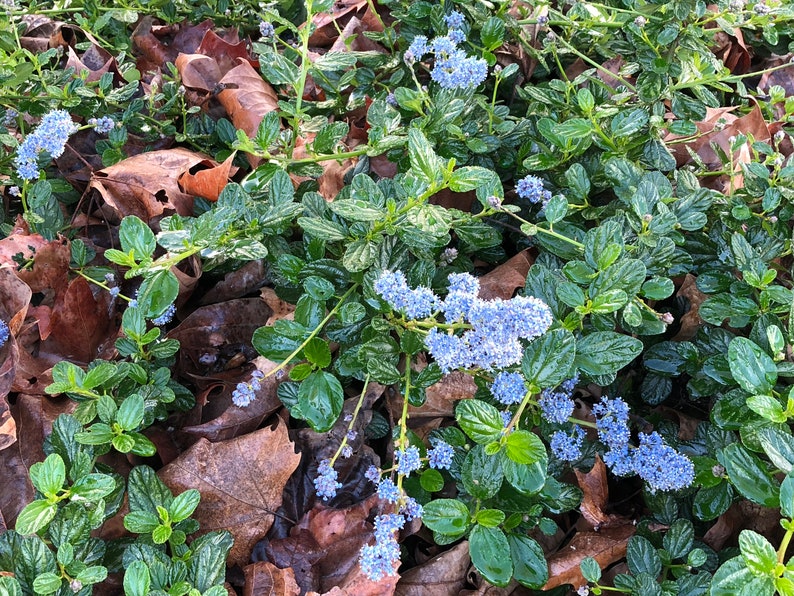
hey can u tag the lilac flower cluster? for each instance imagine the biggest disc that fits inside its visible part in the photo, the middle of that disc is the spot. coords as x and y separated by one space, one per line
377 560
508 388
51 136
408 460
166 317
102 125
531 189
557 405
452 69
326 484
567 447
245 392
497 325
266 29
414 303
440 456
658 464
5 333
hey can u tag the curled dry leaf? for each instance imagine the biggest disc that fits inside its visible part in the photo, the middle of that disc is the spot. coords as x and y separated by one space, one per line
236 284
226 51
9 355
207 178
147 185
240 481
265 579
444 575
198 71
505 279
596 496
442 396
690 321
606 547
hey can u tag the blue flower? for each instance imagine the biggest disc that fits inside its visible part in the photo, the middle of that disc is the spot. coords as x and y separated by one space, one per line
440 456
50 136
245 392
377 560
612 416
414 303
661 466
411 509
464 282
456 70
102 125
508 388
266 29
567 447
388 491
372 474
418 47
531 189
456 35
4 332
347 451
454 20
621 460
556 406
165 317
325 484
408 460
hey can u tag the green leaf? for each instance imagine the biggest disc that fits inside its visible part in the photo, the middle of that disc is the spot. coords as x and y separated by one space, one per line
273 345
146 491
183 505
424 162
492 33
767 407
528 479
734 578
591 570
626 124
360 254
317 352
99 374
548 360
490 554
658 288
48 476
479 420
529 563
751 367
471 177
749 476
137 237
123 443
556 209
93 487
787 496
524 447
606 352
322 229
141 522
157 292
490 518
609 301
482 474
207 565
9 586
383 372
431 480
320 399
712 501
446 516
35 516
574 128
642 557
47 583
130 413
759 556
357 210
92 575
161 534
679 538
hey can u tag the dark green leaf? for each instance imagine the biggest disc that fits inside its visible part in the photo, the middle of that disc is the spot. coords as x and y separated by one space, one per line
749 476
642 557
490 554
320 399
446 516
136 236
605 352
479 420
548 360
481 473
529 563
751 367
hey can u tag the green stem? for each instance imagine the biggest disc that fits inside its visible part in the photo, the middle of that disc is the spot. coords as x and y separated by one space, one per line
402 442
352 421
548 232
596 65
314 333
304 33
781 552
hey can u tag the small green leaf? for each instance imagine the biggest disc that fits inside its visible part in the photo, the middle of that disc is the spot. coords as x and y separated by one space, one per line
787 496
446 516
759 556
490 518
93 487
141 522
317 352
490 554
123 443
320 399
749 475
47 583
184 505
161 534
479 420
734 578
48 476
524 447
35 516
751 367
529 563
591 570
431 480
137 237
131 412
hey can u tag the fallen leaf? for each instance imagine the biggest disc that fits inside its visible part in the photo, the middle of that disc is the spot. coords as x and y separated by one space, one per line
441 397
240 481
198 71
505 279
226 51
207 178
596 496
690 322
147 185
444 575
325 24
9 355
236 284
42 264
606 547
265 579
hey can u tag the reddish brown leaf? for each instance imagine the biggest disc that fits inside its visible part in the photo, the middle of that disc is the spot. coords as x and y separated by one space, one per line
690 321
198 71
606 547
325 32
207 178
147 185
596 496
225 52
442 396
265 579
240 480
42 264
503 281
444 575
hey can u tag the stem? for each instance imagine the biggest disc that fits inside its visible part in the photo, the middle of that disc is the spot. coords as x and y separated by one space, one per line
519 412
549 232
596 65
352 421
403 440
314 333
781 552
304 34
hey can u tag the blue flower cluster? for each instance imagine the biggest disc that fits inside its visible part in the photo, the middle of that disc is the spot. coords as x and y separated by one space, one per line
102 125
531 189
567 447
413 303
557 405
245 392
51 136
508 388
497 325
408 460
452 69
377 560
325 484
440 456
266 29
166 317
658 464
387 490
5 333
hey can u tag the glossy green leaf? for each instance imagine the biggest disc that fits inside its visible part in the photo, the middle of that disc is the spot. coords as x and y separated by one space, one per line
320 399
479 420
490 554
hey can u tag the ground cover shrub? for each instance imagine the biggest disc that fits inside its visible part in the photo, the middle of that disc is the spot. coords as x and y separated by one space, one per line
330 293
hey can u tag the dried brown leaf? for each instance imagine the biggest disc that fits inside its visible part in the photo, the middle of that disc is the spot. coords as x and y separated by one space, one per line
236 284
505 279
265 579
198 71
690 321
596 496
225 51
442 396
207 178
240 480
444 575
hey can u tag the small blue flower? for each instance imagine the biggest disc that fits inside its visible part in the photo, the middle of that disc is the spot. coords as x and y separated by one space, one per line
508 388
377 560
418 47
388 491
531 189
414 303
507 417
347 451
408 460
5 332
555 406
411 509
245 392
266 29
50 136
392 100
456 35
612 416
372 474
325 484
661 466
567 447
454 20
115 291
621 460
440 456
464 283
102 125
351 435
166 317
